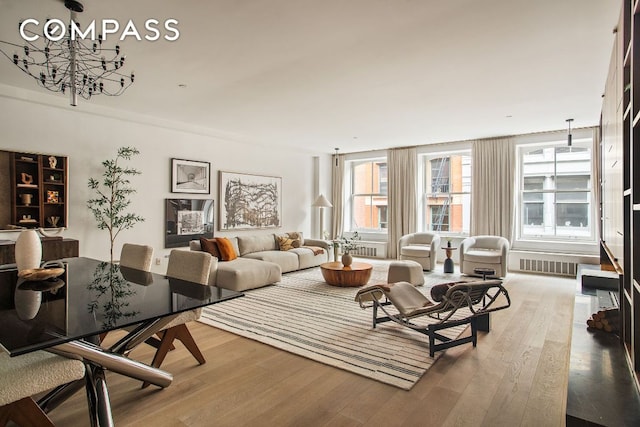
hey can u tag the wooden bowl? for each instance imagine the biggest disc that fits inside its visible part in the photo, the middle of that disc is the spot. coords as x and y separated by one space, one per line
36 274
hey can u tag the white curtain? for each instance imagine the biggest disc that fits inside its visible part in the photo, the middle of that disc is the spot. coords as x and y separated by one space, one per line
402 195
337 195
492 192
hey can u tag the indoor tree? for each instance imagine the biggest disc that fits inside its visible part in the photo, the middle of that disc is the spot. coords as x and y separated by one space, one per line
112 196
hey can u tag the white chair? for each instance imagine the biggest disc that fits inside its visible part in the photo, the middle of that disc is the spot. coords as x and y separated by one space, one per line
484 252
193 267
24 376
420 247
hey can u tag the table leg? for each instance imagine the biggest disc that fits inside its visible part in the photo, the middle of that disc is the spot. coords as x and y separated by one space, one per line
448 265
483 322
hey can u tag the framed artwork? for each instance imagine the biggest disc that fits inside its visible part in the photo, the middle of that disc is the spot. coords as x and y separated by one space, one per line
190 176
187 219
249 201
53 196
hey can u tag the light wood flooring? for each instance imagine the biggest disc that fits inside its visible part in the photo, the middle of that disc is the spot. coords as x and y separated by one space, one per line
517 375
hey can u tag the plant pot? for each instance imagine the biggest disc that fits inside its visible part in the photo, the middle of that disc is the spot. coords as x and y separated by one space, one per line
347 259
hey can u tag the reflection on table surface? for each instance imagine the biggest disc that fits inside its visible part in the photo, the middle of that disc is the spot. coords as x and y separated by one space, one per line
91 297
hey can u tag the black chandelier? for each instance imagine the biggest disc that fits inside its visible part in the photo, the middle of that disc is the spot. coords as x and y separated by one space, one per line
569 136
83 68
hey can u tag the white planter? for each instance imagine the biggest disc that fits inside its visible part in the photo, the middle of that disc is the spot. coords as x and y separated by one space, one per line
28 250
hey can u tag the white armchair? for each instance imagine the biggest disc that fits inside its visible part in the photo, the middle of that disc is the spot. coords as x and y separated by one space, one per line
484 252
420 247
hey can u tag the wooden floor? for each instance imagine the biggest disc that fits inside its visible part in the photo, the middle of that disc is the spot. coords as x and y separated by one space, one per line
516 376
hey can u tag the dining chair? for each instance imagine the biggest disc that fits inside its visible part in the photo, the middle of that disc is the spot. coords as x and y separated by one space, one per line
24 376
194 267
136 256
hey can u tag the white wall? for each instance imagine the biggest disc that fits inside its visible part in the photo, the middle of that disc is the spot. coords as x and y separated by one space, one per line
87 139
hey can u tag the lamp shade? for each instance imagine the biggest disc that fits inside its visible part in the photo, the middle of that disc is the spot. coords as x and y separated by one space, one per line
322 202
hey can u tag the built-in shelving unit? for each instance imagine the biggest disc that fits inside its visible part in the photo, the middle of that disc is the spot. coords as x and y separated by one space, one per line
630 289
39 190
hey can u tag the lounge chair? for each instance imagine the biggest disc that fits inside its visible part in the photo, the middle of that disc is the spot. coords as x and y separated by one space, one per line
460 303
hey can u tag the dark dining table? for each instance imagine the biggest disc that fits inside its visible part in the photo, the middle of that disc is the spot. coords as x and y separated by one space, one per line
67 314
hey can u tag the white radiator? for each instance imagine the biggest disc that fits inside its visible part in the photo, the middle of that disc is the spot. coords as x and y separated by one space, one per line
562 268
371 250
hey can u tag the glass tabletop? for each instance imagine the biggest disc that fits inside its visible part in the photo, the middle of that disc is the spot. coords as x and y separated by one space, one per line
89 298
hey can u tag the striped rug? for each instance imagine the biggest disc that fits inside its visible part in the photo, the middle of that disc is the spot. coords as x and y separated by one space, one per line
305 316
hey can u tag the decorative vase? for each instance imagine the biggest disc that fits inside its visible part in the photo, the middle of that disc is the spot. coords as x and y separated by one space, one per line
448 243
28 250
347 259
26 199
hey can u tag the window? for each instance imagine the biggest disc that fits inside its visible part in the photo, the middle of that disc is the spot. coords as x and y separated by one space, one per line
555 191
369 195
447 195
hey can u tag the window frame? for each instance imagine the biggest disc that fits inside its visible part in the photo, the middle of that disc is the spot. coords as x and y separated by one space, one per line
521 150
425 214
352 195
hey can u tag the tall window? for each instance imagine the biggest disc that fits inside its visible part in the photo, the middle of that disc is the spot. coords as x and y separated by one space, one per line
447 194
555 191
369 195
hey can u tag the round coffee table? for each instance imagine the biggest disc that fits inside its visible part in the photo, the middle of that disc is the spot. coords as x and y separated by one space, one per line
336 274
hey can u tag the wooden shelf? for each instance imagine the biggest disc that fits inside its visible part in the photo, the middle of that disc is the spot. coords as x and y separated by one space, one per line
37 166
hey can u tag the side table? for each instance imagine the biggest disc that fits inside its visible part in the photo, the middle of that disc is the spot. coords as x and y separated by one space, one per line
448 263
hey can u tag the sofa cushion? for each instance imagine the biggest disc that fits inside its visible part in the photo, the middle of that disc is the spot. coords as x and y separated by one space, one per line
416 250
257 243
307 258
210 245
287 260
483 256
244 273
227 252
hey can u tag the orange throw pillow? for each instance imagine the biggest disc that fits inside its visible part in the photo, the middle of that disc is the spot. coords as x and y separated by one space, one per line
210 245
226 249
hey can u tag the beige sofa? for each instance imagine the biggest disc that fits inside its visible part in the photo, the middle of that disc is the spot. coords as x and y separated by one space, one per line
260 261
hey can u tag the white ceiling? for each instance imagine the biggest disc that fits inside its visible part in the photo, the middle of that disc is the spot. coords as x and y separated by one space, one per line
355 74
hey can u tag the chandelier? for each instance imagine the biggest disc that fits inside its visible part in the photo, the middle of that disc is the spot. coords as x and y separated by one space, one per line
70 64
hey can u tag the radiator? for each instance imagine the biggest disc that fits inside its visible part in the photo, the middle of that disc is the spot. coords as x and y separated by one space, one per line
371 250
563 268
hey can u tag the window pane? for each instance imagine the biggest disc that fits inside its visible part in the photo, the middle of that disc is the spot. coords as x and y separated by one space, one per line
440 175
576 197
532 197
439 218
533 214
369 212
533 183
575 182
381 169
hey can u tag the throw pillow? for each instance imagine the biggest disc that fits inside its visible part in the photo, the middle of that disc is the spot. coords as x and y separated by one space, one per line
296 236
285 243
210 245
226 249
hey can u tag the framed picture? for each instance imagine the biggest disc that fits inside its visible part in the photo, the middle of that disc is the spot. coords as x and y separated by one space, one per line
249 201
53 196
190 176
187 219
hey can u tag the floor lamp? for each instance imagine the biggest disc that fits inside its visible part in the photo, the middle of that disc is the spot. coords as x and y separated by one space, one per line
321 202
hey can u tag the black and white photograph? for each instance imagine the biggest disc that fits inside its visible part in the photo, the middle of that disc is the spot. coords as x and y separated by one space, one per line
190 176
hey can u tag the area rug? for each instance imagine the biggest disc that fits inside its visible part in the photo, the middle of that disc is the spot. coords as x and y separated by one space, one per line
303 315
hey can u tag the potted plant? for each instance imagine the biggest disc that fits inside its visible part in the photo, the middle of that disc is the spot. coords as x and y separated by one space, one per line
112 196
349 244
